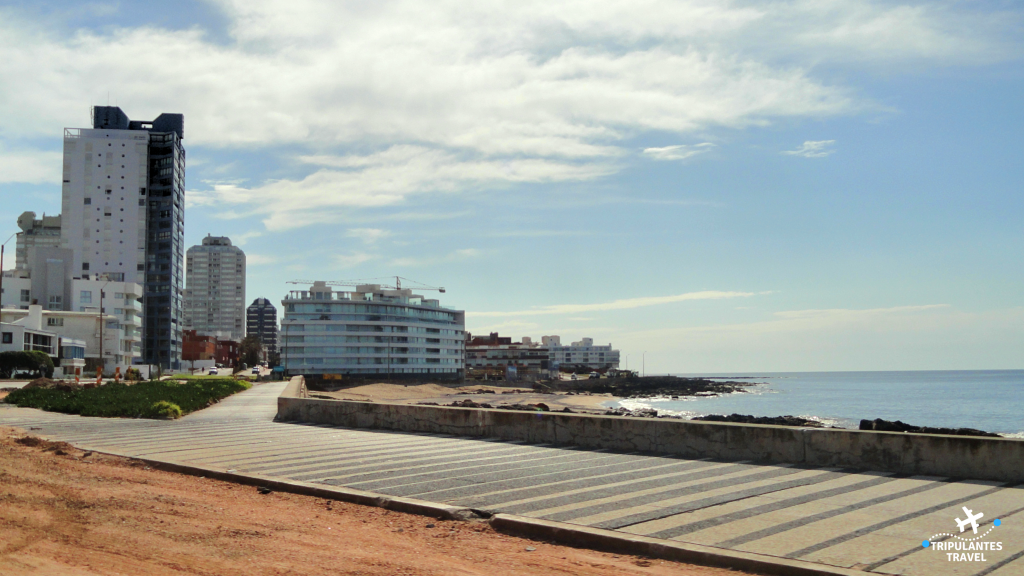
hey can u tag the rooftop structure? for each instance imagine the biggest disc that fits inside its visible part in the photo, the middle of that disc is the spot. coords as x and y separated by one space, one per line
42 233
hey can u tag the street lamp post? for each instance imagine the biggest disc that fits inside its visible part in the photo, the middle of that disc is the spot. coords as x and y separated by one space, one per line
102 294
2 246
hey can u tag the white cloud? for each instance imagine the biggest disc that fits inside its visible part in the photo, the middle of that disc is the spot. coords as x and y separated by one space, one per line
453 256
30 166
402 97
352 259
678 152
813 149
381 179
368 235
243 239
620 304
260 259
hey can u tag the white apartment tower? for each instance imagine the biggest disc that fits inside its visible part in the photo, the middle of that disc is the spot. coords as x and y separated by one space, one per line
123 215
215 289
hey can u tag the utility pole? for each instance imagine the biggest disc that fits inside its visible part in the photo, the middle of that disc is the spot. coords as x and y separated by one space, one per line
644 364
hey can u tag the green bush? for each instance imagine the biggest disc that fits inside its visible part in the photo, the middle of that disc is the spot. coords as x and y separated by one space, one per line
134 401
34 360
165 409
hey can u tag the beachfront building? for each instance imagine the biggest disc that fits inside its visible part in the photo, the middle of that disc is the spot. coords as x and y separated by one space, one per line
123 215
215 289
371 331
261 320
493 356
580 355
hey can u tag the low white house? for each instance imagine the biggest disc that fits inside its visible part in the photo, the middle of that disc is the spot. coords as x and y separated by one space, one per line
28 333
97 335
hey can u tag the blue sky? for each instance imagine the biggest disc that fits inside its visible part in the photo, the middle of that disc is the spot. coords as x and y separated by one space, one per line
726 186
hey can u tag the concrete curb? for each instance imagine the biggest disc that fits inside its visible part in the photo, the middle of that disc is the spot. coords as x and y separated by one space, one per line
351 495
612 541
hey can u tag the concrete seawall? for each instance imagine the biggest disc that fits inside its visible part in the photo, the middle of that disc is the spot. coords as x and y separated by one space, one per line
915 454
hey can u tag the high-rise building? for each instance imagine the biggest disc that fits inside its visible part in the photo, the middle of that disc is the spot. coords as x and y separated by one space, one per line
42 233
123 215
261 320
215 289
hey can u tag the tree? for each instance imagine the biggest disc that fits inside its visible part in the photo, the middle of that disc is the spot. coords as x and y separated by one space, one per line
34 360
250 350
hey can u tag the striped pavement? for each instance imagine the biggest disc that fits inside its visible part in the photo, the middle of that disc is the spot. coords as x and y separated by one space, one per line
870 521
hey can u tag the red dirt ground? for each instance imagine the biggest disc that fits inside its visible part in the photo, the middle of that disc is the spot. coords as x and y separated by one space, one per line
63 512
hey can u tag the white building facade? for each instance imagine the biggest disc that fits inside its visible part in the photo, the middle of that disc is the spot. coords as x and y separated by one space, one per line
215 289
582 354
371 331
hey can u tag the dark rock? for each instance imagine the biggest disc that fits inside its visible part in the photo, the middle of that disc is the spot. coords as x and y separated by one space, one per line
879 425
430 525
526 407
770 420
467 403
263 490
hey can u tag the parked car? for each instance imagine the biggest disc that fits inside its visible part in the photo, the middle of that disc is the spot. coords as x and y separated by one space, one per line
213 372
594 376
256 370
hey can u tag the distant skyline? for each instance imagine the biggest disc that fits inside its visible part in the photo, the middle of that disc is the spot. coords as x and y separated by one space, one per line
728 186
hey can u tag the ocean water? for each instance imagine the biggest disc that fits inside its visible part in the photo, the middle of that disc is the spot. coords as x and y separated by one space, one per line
990 400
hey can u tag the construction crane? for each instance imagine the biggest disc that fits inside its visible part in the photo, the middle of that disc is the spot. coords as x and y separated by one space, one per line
397 285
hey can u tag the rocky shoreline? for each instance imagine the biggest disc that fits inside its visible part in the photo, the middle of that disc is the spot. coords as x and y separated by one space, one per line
650 387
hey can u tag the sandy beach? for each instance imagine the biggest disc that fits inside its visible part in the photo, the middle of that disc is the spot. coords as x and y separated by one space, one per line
493 395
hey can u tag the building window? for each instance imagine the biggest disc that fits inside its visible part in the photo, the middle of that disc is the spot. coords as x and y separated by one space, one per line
8 338
25 295
88 200
85 266
86 297
54 321
55 303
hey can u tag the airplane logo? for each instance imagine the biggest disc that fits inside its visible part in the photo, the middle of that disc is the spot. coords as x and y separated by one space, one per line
972 519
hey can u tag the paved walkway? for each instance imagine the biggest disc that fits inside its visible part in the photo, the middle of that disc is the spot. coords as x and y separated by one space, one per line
870 521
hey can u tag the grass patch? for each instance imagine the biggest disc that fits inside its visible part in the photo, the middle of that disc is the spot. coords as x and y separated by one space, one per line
153 399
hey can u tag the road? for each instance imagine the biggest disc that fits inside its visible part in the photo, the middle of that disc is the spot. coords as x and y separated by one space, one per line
870 521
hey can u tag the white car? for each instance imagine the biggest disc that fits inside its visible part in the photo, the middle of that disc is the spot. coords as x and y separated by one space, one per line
213 372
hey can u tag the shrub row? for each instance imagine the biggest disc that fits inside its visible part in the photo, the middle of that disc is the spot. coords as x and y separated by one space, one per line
153 399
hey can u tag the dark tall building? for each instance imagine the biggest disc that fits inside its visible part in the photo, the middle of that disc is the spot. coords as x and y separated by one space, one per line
261 320
130 175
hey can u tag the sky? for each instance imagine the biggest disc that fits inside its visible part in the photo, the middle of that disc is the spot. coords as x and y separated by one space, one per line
710 186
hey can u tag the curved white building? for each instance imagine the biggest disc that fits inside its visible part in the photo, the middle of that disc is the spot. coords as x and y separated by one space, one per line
371 331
